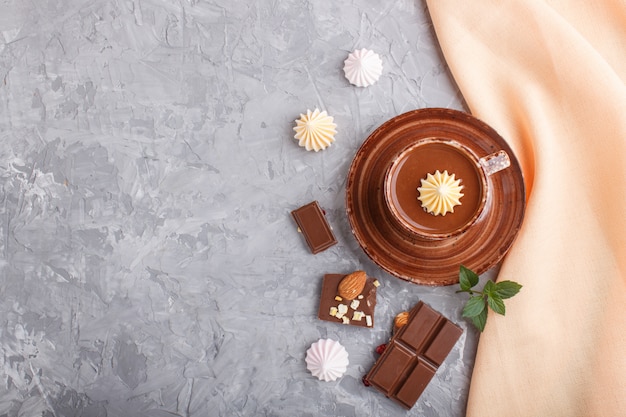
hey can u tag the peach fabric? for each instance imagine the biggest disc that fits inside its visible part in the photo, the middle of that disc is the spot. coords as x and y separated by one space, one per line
550 77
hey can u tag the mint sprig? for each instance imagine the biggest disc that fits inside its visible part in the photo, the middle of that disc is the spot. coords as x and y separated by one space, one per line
492 296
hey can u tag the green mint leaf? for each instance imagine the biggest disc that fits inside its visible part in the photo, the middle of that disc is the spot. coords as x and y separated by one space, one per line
474 306
492 296
489 288
496 304
480 320
507 289
467 278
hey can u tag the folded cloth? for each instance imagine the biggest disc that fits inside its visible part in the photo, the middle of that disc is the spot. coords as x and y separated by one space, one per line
549 76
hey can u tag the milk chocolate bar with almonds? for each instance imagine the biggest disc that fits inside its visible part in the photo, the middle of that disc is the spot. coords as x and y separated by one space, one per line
413 355
357 312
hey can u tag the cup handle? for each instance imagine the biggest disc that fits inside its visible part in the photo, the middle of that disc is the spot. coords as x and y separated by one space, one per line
495 162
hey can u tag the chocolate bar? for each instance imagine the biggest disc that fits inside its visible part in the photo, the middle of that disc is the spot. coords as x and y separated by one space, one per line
313 225
413 355
362 315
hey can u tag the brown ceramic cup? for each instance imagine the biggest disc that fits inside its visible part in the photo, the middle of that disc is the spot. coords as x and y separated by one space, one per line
425 156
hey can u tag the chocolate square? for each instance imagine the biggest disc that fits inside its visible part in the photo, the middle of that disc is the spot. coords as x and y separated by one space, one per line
313 225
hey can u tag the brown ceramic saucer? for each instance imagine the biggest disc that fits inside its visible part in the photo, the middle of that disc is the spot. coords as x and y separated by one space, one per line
411 256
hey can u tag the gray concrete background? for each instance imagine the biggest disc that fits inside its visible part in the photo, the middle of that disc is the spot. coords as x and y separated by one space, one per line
149 265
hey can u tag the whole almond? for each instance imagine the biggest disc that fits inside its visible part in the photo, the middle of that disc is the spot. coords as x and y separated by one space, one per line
351 285
400 320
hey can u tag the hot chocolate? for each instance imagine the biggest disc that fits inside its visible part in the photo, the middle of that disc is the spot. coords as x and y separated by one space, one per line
417 161
389 239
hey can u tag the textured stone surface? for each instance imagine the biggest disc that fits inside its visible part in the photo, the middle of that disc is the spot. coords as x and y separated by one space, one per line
149 263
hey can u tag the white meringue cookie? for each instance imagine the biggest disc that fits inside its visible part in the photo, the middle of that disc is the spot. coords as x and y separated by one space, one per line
327 359
363 67
440 193
315 130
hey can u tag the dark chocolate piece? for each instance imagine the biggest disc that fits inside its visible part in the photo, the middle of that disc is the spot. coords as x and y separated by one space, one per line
313 225
367 303
413 355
